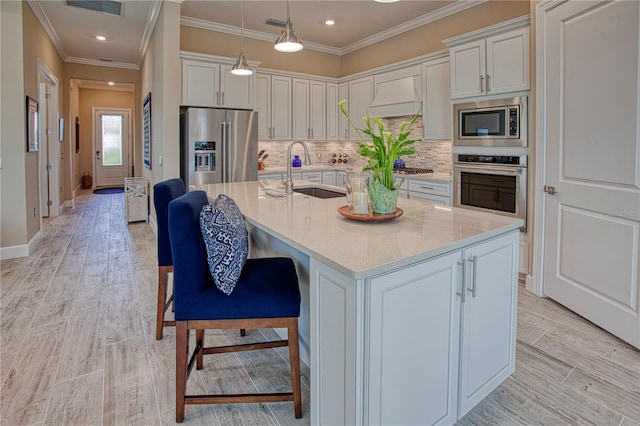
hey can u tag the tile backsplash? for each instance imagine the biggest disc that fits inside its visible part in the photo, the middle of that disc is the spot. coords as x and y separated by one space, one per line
432 154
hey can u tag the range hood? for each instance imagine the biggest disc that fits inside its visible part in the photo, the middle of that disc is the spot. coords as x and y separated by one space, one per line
395 98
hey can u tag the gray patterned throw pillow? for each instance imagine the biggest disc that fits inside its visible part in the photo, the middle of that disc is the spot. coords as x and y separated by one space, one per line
227 242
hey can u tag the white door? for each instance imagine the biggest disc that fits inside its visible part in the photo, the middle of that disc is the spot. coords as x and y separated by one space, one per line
45 165
112 146
589 99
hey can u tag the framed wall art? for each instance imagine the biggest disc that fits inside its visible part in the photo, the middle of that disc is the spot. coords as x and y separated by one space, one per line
146 131
33 143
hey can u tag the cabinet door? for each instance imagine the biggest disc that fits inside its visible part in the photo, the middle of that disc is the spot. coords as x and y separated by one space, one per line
508 62
301 129
333 112
329 177
488 318
236 91
468 69
317 110
262 104
281 108
343 123
360 97
200 84
437 109
414 322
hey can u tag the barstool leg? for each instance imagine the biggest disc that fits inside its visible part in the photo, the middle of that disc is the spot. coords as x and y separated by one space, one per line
182 355
162 297
294 359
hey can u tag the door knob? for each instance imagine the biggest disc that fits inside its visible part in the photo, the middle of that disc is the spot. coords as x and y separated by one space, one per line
551 190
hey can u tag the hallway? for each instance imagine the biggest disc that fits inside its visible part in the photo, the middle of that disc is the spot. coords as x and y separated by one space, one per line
78 346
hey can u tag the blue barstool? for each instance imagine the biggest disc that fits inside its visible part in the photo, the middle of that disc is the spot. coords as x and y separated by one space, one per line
163 193
266 296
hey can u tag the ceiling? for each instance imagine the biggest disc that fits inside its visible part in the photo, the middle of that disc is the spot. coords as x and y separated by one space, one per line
357 24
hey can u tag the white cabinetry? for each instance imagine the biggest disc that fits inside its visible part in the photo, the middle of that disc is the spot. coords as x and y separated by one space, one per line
312 176
329 177
333 112
343 123
360 97
209 84
428 341
436 99
341 178
273 98
309 109
490 65
433 192
471 295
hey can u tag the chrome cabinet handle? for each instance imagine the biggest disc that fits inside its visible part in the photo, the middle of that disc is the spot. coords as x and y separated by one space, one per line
473 261
487 83
311 134
222 98
481 83
462 281
218 98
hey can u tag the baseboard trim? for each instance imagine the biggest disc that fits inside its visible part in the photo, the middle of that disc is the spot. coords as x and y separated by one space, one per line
22 250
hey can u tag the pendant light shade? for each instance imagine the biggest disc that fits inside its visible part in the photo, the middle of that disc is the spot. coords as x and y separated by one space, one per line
288 40
241 67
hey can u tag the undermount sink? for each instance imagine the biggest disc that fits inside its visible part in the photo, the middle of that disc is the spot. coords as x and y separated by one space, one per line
314 191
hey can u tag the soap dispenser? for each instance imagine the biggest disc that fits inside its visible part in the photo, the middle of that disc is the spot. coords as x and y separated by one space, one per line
296 162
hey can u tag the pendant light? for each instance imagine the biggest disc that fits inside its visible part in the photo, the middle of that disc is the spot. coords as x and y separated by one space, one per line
241 67
288 40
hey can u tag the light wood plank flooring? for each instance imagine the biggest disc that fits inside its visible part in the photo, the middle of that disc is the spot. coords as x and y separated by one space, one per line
77 345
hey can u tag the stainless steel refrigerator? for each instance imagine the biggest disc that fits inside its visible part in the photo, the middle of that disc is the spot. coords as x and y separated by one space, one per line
218 145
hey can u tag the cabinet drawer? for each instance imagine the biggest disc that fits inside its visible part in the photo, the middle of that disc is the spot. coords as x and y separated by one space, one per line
435 199
427 187
312 176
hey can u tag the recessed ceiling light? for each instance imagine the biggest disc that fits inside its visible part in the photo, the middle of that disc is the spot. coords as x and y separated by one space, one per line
329 22
101 38
111 83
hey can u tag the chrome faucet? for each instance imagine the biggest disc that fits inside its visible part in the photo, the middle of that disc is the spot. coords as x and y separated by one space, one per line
288 184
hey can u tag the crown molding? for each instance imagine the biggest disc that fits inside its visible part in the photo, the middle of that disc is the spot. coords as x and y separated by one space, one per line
257 35
511 24
459 6
48 28
100 63
148 29
205 57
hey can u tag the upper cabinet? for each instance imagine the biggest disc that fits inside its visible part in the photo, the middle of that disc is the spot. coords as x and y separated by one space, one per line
436 99
309 109
211 84
490 61
333 112
360 97
343 123
273 99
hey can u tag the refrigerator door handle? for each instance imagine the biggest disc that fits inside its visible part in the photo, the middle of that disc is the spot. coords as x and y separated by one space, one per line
225 146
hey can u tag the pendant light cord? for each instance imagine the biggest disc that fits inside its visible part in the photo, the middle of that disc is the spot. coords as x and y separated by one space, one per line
242 30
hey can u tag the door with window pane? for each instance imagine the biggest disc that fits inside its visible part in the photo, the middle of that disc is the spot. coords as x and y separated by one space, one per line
112 146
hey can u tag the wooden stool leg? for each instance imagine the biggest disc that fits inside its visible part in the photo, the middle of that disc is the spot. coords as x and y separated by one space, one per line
243 332
200 345
294 359
162 296
182 354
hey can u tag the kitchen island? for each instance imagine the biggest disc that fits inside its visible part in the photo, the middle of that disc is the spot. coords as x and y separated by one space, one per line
409 321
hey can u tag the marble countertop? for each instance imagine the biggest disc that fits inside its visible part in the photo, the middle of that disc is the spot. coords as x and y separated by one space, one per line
360 249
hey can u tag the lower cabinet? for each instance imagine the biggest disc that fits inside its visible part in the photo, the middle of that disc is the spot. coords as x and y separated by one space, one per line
422 344
329 177
433 192
441 334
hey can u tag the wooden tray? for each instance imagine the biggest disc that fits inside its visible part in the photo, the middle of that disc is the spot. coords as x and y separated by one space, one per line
371 217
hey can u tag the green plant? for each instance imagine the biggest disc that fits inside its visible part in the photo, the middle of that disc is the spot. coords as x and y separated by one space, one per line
385 147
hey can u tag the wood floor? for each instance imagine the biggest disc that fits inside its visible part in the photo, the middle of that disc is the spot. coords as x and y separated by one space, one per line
78 348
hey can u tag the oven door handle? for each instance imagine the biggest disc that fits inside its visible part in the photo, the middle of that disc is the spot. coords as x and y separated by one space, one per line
489 169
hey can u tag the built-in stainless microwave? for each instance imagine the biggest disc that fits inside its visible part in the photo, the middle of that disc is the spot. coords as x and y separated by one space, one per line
498 122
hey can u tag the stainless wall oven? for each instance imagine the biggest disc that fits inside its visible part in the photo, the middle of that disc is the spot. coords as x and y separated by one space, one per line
491 183
498 122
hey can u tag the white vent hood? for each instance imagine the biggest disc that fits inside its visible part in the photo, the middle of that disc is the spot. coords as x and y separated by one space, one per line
395 98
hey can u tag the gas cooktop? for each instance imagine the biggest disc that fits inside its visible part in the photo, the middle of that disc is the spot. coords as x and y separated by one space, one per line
411 170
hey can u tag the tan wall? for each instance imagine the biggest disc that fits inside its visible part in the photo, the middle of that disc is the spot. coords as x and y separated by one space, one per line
215 43
95 98
36 45
13 201
428 38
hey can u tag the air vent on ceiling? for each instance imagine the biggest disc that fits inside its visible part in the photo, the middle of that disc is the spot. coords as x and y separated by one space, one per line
276 22
109 7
